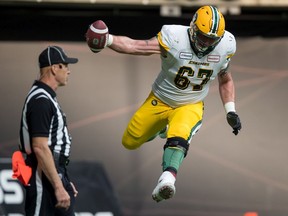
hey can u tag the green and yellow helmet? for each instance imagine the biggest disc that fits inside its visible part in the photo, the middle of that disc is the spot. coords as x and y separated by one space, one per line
207 28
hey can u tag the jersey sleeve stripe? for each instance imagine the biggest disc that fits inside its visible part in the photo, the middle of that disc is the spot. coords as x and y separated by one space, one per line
160 40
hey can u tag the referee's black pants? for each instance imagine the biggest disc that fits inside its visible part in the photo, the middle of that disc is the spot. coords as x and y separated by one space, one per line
40 196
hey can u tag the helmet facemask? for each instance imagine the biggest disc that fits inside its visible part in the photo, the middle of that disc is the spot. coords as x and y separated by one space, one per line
202 41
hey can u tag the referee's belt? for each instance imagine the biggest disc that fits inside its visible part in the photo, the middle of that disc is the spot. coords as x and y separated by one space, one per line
60 159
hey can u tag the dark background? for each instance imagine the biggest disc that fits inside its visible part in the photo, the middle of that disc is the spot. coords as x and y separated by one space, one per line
35 21
223 175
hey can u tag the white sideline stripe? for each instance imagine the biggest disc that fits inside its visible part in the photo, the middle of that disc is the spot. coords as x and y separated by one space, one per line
99 31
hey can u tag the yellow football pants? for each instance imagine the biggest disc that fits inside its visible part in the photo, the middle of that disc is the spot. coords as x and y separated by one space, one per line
154 115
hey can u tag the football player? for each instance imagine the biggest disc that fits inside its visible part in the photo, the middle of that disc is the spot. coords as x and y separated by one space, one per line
192 57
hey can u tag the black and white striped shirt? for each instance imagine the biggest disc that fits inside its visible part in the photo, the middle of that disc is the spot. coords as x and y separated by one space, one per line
43 117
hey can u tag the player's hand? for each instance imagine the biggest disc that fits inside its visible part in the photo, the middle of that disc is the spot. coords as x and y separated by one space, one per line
234 121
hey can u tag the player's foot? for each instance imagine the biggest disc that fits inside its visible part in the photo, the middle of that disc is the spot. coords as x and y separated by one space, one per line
165 188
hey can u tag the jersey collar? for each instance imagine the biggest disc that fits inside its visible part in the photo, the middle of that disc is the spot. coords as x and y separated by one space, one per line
45 87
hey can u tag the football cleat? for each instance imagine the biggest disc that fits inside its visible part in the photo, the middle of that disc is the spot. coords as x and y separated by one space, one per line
165 189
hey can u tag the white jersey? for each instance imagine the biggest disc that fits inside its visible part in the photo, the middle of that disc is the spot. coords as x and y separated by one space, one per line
184 78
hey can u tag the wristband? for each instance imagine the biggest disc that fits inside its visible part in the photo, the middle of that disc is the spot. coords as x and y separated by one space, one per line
110 40
230 107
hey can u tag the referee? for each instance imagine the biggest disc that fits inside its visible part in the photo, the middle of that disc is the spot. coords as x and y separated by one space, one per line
45 139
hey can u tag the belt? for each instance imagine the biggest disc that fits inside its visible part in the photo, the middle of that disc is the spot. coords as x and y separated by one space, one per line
60 159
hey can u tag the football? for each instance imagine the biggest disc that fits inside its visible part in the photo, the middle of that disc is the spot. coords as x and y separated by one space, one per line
97 36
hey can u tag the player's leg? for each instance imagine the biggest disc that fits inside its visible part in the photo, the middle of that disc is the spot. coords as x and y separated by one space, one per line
184 122
162 134
145 123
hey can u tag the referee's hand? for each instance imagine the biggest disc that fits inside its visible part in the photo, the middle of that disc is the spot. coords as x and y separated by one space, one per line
63 198
74 189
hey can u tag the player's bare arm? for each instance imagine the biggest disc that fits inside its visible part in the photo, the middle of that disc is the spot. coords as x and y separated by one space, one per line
98 37
123 44
226 87
227 94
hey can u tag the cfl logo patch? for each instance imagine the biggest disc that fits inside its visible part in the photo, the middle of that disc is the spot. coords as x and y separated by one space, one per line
154 102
